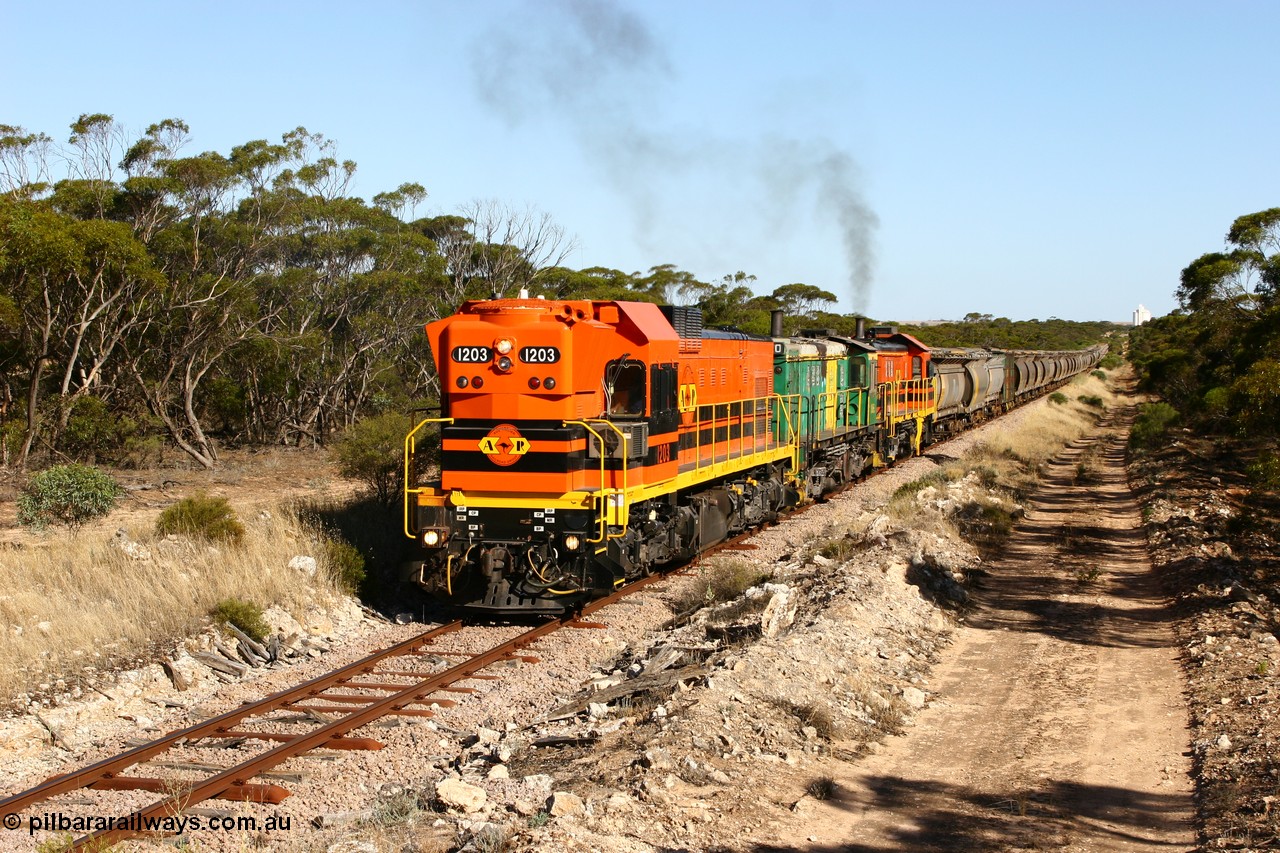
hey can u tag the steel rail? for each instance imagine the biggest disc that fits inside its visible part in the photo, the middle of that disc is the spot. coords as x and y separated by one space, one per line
236 779
215 726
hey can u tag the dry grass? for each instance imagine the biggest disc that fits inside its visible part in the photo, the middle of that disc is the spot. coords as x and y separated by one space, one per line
1048 429
884 714
71 606
719 579
1008 468
821 788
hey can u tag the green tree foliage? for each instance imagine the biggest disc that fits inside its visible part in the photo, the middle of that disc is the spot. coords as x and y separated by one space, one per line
93 430
1214 359
373 450
246 293
981 330
247 297
802 300
67 494
345 563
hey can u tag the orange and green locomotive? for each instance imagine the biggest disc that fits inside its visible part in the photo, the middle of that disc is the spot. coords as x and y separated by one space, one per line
583 444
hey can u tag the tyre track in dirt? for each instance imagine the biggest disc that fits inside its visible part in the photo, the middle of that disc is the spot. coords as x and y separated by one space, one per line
1059 723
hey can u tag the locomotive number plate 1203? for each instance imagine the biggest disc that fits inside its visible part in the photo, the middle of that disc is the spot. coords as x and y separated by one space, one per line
539 355
472 355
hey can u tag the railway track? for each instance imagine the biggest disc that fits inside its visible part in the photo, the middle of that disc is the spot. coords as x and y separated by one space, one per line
332 706
387 683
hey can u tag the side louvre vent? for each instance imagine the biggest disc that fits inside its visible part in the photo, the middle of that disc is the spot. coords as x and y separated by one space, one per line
637 442
687 321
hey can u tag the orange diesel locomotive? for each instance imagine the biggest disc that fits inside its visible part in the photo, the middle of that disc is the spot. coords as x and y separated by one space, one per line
583 443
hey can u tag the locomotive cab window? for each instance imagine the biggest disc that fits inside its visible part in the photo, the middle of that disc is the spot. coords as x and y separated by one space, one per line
915 367
624 382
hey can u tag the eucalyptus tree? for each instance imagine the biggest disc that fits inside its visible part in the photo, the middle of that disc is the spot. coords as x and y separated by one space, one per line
494 249
724 303
665 284
802 300
352 279
78 287
215 253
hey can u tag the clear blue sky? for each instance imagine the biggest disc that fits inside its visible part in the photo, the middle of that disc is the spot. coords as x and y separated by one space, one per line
1022 159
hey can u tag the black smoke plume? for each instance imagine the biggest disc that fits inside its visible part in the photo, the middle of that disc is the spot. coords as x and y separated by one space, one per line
598 70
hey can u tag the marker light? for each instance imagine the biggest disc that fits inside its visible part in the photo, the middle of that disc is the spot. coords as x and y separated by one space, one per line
503 346
549 383
431 538
535 383
572 542
477 382
462 382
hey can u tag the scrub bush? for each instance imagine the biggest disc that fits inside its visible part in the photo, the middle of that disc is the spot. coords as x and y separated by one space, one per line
245 615
202 517
67 494
1153 421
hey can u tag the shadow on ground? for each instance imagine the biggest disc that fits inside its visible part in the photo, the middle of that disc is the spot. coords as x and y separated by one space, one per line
958 819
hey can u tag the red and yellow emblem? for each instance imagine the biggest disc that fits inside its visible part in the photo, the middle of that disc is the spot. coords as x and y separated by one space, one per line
504 445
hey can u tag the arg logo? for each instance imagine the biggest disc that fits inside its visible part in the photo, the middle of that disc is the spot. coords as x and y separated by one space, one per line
504 445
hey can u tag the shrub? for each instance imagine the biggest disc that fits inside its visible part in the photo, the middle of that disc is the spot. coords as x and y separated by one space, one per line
724 581
1058 398
1111 361
732 578
817 716
1153 421
67 494
1265 473
839 549
202 517
373 450
12 434
345 562
911 489
1216 404
1100 375
1091 400
245 615
1256 396
822 788
95 432
91 429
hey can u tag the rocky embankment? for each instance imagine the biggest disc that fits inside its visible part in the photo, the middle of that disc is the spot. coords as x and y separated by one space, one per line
1212 535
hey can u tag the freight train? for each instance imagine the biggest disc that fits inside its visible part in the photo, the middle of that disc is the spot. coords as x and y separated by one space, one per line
583 444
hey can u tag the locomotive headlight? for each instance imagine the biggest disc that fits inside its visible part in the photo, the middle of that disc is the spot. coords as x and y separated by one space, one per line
431 538
504 363
571 542
503 346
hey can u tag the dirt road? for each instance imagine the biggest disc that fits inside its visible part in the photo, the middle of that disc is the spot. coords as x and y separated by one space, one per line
1059 723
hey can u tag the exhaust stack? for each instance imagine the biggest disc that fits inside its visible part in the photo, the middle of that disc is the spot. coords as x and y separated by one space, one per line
775 323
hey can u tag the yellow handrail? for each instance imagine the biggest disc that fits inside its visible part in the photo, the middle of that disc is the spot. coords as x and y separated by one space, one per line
605 491
792 430
897 402
409 446
829 402
747 410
